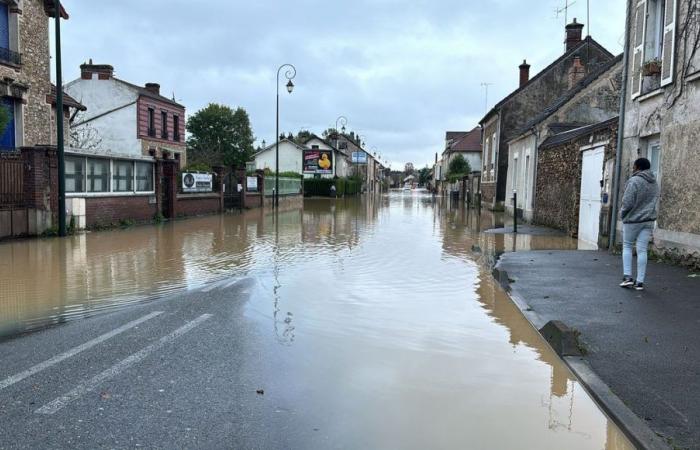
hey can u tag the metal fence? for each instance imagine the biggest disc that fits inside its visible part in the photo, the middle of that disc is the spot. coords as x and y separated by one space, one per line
11 180
288 186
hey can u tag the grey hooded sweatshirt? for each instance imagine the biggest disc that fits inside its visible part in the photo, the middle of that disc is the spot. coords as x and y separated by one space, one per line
639 201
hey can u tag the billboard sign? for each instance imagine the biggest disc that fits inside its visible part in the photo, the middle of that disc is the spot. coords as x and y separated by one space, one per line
197 182
359 158
318 161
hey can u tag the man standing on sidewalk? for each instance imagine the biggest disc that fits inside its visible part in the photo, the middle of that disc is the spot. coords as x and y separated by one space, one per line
638 214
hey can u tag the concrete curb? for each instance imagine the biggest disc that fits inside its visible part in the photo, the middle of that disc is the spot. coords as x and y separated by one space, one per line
636 429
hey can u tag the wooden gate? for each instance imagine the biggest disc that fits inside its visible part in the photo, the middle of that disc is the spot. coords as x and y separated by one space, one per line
11 180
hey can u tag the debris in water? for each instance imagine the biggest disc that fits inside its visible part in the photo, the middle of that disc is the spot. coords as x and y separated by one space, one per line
260 392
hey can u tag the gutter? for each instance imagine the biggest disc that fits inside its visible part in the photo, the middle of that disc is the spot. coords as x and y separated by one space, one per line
620 131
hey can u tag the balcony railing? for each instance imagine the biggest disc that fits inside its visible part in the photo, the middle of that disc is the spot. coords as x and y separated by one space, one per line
8 56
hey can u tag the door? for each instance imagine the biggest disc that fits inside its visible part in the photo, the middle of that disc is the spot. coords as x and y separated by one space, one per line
589 209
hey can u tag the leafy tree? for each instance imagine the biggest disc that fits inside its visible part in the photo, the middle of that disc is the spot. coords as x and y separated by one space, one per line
220 136
458 168
424 175
302 136
83 134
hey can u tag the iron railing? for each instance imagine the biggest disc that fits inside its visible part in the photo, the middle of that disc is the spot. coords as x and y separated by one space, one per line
8 56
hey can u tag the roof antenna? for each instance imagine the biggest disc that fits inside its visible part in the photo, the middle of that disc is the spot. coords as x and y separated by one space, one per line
565 10
486 99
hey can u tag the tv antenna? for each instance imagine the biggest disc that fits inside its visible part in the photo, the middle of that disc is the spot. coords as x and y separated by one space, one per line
486 95
565 10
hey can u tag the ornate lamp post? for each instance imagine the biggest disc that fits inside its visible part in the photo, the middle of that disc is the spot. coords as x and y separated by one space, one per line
290 73
343 121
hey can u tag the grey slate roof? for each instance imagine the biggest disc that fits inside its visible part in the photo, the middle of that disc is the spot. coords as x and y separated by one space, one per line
572 135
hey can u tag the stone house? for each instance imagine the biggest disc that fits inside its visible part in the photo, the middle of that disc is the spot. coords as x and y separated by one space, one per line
590 99
25 75
662 118
505 120
574 181
291 157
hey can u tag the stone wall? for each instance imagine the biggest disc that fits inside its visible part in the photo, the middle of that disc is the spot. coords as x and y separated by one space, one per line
558 183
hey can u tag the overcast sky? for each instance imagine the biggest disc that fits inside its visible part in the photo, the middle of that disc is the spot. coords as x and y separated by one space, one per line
402 72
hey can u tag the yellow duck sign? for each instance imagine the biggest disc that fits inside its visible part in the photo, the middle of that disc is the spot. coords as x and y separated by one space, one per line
318 161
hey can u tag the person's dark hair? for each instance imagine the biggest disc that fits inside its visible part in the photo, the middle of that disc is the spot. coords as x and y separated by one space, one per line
642 164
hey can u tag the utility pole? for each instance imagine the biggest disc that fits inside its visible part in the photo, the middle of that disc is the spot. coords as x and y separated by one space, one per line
486 96
59 127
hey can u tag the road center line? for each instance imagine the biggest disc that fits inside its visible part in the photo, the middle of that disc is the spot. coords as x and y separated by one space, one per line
96 381
74 351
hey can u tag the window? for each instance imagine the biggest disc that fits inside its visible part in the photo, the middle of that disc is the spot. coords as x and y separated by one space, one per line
7 138
97 175
176 128
487 148
164 125
654 157
515 174
654 42
123 176
75 174
151 122
144 177
314 147
4 26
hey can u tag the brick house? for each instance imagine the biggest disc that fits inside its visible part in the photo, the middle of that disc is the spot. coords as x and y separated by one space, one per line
125 118
590 99
505 120
662 119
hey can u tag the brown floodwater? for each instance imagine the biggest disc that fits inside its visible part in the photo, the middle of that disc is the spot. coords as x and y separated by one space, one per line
387 304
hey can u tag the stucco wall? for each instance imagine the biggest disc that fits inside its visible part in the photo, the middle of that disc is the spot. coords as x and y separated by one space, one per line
290 158
671 115
524 151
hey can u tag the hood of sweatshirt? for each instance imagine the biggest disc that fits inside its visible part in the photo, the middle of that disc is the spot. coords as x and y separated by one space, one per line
646 175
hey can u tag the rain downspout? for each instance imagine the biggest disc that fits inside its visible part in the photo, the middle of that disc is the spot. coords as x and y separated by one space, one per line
620 131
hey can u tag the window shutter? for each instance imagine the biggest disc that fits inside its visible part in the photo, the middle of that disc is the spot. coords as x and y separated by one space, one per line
638 47
669 46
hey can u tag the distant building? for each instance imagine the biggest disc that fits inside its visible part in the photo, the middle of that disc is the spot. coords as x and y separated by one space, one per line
290 157
506 119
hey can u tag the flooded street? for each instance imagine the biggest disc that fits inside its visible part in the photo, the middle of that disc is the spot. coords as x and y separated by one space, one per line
388 327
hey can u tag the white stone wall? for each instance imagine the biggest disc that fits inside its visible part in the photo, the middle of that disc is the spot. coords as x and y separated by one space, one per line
518 154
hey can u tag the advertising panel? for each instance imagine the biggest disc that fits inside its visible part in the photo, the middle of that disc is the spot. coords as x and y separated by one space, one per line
359 158
318 161
252 184
197 182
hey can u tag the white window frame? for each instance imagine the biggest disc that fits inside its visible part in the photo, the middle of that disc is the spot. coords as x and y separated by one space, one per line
111 192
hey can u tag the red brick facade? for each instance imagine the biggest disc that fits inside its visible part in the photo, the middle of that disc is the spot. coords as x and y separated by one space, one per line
106 211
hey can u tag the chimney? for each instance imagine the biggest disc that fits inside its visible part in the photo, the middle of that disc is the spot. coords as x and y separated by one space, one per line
524 73
153 88
577 72
89 71
574 33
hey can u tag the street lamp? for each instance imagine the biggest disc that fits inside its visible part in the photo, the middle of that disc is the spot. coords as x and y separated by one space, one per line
342 120
59 126
290 73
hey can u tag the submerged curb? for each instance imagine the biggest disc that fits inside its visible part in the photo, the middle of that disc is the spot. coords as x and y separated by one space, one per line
636 429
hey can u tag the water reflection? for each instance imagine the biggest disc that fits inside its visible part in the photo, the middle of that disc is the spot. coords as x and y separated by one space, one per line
385 306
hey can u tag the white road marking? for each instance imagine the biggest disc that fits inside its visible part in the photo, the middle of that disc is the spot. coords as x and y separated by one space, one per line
214 285
96 381
74 351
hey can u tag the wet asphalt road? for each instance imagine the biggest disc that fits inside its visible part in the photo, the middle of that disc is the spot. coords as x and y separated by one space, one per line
105 397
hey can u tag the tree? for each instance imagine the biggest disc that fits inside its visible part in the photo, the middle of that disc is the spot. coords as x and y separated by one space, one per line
83 135
408 168
458 168
424 176
302 136
220 136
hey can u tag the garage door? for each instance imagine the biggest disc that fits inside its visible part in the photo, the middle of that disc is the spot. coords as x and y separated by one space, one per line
589 210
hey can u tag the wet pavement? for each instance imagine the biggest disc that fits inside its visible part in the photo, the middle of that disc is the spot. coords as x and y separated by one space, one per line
348 324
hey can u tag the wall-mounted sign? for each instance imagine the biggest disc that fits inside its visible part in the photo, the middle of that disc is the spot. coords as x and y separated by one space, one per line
252 184
318 161
359 158
197 182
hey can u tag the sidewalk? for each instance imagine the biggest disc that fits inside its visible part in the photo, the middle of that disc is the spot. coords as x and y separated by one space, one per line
642 345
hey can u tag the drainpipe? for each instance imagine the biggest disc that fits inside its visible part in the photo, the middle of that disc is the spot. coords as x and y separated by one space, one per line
620 131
